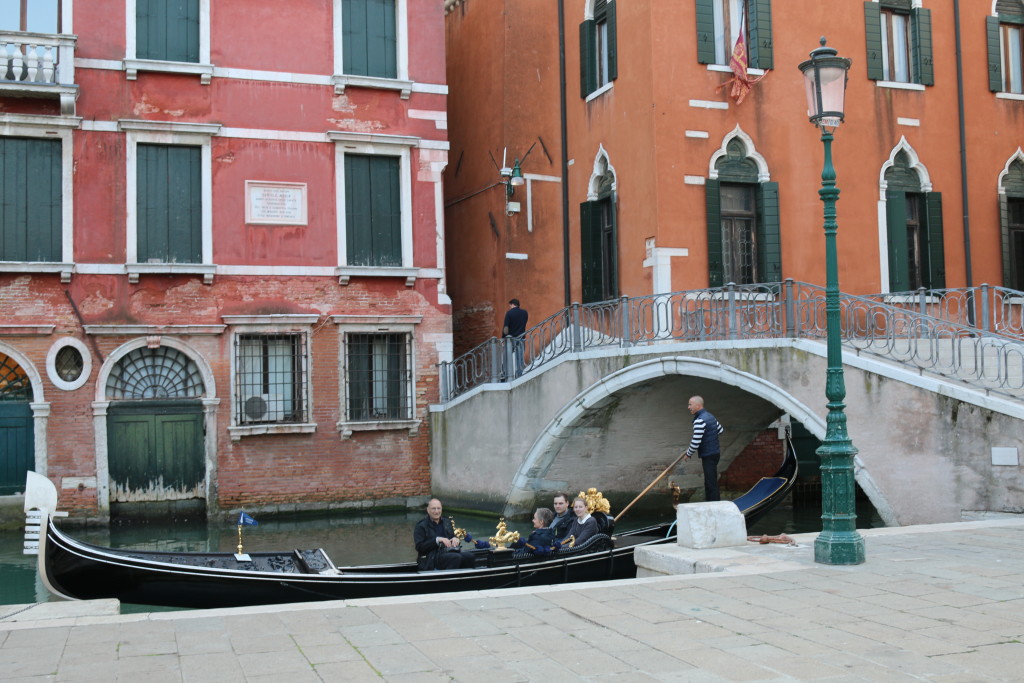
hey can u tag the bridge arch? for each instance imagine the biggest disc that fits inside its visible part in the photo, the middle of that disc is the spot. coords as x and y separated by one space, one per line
546 447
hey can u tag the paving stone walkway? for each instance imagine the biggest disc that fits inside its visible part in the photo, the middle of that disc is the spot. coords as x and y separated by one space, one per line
937 603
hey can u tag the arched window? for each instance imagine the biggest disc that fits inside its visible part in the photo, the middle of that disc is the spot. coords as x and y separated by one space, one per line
1011 222
742 219
913 218
599 248
159 373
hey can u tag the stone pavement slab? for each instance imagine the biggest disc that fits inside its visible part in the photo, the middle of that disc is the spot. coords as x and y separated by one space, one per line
943 603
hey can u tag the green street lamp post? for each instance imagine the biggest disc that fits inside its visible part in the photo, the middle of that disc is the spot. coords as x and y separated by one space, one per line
839 542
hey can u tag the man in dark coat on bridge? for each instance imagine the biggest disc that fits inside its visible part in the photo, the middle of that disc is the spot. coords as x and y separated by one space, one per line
437 546
705 444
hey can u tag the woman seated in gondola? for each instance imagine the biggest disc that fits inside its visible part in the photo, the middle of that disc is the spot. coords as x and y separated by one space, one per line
584 526
542 537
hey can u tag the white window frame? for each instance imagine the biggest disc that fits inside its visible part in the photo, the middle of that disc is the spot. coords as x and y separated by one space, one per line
132 66
381 145
49 127
51 364
295 324
168 133
402 83
724 43
373 324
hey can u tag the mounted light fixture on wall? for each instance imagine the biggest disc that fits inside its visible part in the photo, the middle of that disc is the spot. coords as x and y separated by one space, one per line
511 178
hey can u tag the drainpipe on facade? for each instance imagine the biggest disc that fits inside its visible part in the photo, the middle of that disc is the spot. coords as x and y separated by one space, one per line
963 159
565 152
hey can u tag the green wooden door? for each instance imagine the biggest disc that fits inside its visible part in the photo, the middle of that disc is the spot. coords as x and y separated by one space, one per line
17 446
156 451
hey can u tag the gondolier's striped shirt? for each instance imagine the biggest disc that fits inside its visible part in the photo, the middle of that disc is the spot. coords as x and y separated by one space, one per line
699 426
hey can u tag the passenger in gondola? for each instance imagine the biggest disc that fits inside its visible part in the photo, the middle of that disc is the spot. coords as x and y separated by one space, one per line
543 536
584 526
437 546
563 515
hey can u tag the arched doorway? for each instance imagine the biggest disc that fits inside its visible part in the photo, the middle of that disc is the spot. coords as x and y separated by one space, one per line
155 433
17 438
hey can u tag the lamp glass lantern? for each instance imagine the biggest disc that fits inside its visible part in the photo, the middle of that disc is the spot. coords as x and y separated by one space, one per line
825 76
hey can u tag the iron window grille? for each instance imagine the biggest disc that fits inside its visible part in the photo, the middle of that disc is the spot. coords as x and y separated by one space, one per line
379 377
739 234
270 378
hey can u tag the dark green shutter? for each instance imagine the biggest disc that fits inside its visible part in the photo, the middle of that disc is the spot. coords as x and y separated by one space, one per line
760 52
713 205
921 23
369 38
588 57
936 250
169 204
30 200
1004 240
896 232
995 62
17 446
873 40
613 42
769 245
156 441
373 213
590 251
705 31
167 30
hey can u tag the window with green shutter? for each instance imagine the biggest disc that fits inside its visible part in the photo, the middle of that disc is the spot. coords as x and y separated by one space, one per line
169 204
167 30
369 38
373 214
914 231
598 250
898 42
598 48
1011 224
743 226
720 23
30 200
1005 34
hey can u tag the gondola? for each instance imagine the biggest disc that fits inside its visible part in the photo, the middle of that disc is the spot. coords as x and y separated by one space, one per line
72 569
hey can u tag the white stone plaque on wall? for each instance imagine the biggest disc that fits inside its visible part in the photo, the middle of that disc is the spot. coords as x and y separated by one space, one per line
268 203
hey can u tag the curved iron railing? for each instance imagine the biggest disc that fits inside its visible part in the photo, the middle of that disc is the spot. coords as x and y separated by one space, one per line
889 326
989 308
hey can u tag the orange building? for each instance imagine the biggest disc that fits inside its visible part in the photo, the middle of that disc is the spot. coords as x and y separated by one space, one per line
642 173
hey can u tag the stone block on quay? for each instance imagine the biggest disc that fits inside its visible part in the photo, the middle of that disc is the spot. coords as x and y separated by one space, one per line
718 524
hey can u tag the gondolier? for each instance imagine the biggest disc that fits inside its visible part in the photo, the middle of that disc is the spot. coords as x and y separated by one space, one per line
705 445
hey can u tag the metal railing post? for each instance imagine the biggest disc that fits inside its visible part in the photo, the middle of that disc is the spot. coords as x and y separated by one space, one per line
921 300
986 312
790 313
731 325
442 372
624 311
574 321
494 352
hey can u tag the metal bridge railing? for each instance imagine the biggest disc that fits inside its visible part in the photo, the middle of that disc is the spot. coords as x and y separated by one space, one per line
989 308
889 326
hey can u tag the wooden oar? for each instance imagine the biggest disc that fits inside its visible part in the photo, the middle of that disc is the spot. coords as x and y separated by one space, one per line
650 486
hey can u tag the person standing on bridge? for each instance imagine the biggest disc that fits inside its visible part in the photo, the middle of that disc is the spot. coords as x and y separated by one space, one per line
705 445
514 329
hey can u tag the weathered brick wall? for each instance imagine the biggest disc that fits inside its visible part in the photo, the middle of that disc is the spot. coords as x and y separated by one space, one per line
278 470
761 458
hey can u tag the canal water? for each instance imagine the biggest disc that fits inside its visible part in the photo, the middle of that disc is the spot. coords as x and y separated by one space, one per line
349 540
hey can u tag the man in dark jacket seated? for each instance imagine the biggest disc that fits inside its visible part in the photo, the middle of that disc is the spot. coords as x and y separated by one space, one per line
563 516
437 546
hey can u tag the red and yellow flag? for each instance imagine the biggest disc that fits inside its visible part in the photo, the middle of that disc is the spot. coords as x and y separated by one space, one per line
740 81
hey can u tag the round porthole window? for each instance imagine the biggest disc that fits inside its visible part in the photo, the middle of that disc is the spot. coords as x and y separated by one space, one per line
68 363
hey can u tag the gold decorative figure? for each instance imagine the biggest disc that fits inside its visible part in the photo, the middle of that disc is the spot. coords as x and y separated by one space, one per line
460 533
503 536
596 502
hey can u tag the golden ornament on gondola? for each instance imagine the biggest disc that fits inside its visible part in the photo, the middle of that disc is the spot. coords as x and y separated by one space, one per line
595 501
503 536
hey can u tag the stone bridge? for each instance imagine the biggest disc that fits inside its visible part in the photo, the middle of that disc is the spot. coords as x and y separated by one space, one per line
930 450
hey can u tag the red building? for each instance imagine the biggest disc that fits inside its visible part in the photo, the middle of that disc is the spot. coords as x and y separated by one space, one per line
221 250
646 176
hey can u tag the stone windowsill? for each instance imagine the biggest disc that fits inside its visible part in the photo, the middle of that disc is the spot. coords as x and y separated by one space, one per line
346 429
134 270
132 68
238 431
342 81
346 273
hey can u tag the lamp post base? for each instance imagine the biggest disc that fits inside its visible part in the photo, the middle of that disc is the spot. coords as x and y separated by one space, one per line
840 547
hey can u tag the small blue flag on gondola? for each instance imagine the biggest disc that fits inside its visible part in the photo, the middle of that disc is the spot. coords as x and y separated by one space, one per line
246 520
